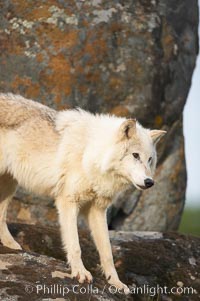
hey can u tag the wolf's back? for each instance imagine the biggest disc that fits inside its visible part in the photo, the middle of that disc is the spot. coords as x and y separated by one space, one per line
15 110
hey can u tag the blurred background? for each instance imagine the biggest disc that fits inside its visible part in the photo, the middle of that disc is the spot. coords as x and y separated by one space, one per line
191 217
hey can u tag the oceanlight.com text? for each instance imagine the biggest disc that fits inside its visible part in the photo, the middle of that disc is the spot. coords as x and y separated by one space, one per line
64 290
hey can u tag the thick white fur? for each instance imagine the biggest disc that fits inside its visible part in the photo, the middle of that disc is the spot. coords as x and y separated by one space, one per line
80 159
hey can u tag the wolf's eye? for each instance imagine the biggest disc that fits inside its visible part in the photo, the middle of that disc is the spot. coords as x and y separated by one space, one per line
150 160
136 156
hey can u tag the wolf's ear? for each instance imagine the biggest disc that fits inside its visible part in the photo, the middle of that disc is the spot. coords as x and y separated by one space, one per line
156 135
127 129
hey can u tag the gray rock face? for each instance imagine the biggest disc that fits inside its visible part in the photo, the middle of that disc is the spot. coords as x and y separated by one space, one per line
169 271
129 58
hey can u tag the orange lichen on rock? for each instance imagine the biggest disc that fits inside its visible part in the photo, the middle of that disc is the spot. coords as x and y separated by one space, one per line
58 39
40 12
57 77
115 82
35 10
61 39
32 90
95 46
120 111
21 6
40 57
167 41
12 44
179 166
158 121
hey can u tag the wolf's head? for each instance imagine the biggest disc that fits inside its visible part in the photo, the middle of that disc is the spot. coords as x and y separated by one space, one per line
134 154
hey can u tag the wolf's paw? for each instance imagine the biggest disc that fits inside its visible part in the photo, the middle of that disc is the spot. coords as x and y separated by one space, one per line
11 243
82 275
120 286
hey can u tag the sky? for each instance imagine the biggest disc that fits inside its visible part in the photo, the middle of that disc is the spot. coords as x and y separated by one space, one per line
192 138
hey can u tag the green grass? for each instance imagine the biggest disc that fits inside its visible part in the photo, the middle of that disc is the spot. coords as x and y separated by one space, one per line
190 222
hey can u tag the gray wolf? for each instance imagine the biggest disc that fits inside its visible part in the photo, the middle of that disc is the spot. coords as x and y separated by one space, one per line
81 160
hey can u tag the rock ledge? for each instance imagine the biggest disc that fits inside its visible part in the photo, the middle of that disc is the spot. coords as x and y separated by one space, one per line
146 261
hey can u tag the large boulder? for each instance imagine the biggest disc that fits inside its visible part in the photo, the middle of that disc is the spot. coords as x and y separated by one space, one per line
129 58
156 266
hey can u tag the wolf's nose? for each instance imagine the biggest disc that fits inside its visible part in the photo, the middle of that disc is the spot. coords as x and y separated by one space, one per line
148 183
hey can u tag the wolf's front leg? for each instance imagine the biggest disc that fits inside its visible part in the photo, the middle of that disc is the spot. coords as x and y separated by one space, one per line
68 214
98 225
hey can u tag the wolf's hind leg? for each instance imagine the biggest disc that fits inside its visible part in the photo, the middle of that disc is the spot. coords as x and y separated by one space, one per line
7 189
